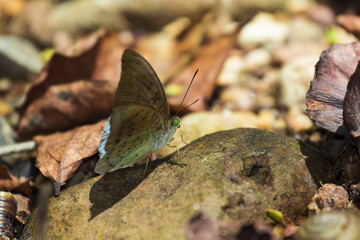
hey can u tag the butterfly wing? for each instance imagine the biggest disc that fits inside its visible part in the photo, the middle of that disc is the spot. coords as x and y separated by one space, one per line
139 84
140 112
125 154
132 144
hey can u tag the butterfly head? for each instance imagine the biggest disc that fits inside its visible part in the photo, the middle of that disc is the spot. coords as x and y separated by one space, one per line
175 121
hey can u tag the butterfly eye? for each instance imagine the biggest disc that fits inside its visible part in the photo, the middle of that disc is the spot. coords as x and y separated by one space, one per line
175 122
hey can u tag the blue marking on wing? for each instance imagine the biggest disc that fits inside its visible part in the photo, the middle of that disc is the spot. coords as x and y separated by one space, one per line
104 138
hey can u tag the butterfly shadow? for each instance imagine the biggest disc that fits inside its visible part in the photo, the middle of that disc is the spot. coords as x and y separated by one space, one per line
114 186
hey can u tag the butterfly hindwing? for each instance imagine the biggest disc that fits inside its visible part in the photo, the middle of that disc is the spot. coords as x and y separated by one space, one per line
132 120
126 153
135 123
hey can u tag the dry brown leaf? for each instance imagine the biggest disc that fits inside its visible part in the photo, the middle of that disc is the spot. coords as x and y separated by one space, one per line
11 183
170 50
61 154
209 61
22 203
71 91
21 189
325 97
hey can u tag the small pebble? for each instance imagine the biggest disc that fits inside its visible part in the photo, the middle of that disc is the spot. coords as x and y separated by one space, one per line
315 137
5 109
329 196
263 30
266 119
237 98
297 120
298 6
295 80
231 70
5 85
257 58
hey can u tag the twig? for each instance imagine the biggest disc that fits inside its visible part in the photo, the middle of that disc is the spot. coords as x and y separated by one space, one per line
17 147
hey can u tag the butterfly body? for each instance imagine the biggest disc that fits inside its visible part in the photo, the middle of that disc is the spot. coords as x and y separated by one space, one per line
140 122
166 135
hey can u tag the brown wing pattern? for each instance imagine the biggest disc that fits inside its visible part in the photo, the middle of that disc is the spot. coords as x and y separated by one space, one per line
132 120
139 84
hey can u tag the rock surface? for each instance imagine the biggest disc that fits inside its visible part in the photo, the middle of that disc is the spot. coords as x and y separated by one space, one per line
233 176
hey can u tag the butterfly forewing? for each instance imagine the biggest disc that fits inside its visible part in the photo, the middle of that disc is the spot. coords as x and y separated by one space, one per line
139 84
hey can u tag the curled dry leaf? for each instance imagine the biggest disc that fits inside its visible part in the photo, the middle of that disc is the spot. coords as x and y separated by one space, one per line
75 90
209 61
351 112
61 154
325 97
350 22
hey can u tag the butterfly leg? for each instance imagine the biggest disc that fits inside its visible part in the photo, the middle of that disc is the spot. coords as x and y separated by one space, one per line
178 153
177 149
147 162
182 138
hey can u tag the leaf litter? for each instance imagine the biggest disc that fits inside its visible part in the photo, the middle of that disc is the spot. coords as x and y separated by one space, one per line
61 154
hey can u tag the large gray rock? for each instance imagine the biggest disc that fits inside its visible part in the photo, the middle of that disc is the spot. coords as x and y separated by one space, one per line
233 176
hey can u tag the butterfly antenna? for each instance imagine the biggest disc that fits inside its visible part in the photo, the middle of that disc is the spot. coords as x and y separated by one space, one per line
191 104
187 93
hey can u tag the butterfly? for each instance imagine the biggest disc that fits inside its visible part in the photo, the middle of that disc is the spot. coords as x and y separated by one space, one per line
140 122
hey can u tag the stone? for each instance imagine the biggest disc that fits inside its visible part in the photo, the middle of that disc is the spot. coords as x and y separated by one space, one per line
20 59
234 176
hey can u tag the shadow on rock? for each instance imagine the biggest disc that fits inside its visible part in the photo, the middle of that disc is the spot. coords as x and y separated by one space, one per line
114 186
317 168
